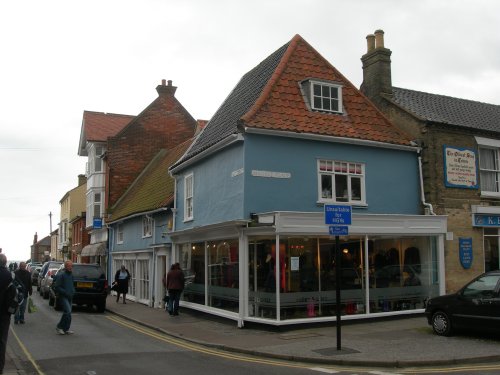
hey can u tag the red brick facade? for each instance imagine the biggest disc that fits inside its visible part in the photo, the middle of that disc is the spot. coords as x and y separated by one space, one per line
164 124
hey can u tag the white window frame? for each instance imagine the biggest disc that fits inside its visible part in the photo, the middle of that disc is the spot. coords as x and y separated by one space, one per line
147 226
188 197
352 171
119 233
325 97
490 171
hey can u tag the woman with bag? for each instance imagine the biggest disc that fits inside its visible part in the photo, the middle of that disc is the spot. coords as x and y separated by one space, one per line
122 277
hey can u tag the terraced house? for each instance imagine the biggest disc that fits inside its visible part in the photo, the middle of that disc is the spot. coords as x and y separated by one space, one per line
460 143
249 228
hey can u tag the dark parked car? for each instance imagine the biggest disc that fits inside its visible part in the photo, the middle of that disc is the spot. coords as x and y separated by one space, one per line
34 275
91 286
45 268
476 305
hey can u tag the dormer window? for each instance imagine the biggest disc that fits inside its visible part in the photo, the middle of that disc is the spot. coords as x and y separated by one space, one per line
322 96
326 97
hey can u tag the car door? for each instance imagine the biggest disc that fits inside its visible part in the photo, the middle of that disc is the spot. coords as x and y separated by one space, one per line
479 303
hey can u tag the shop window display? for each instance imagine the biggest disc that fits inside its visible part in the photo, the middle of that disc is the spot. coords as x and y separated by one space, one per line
214 282
399 274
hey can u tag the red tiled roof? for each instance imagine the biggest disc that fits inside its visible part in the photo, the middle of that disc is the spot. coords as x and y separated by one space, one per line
98 126
281 105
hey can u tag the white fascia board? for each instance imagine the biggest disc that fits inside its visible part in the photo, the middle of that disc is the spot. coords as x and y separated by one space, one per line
327 138
488 142
313 223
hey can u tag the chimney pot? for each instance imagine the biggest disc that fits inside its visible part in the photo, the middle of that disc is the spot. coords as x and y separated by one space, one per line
370 41
379 39
170 82
163 82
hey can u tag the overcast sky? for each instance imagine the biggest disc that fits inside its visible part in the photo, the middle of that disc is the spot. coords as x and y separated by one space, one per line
59 58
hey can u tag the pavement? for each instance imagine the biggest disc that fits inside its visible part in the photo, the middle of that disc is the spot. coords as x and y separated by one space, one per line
403 341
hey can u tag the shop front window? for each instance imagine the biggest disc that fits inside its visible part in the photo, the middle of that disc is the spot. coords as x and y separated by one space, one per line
403 273
400 274
192 261
223 274
491 249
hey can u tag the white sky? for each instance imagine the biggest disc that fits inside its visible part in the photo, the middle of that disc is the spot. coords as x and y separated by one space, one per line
59 58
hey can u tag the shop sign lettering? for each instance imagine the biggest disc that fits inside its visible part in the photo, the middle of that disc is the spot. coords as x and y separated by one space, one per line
460 167
487 220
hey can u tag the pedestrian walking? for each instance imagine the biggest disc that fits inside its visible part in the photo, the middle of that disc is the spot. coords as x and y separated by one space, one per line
175 285
5 280
23 277
65 289
122 278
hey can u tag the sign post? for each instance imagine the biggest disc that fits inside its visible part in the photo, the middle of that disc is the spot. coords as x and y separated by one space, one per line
338 217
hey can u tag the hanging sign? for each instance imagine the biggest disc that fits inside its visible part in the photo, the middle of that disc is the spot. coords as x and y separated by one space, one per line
465 252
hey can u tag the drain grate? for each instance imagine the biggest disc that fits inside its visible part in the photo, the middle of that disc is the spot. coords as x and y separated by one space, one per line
333 351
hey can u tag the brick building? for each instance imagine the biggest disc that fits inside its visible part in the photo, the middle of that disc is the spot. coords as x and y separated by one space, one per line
460 144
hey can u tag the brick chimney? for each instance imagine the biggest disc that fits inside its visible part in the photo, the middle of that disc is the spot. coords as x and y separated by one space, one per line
376 69
165 89
81 179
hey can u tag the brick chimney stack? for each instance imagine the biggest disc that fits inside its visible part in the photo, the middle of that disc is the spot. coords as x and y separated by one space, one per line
82 179
165 89
377 79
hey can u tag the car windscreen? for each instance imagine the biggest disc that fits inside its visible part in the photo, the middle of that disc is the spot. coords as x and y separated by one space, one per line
88 272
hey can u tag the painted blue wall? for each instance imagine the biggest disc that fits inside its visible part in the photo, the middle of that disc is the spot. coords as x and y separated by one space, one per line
392 179
218 189
132 233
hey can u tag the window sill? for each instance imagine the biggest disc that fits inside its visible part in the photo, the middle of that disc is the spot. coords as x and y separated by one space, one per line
487 194
188 220
353 204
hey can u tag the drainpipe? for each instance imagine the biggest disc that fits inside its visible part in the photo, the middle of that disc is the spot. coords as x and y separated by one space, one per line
422 195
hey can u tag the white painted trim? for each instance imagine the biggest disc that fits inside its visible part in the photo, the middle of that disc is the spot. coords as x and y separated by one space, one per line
488 142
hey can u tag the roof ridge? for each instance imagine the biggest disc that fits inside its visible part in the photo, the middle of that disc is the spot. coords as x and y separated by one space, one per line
280 68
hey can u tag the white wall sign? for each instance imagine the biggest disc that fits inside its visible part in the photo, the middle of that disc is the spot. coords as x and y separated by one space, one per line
270 174
460 167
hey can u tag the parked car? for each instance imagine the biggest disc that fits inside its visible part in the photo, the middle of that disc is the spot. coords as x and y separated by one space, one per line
46 282
91 286
476 306
45 268
34 275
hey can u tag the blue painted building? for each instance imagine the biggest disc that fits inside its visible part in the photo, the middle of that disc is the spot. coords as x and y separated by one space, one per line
249 229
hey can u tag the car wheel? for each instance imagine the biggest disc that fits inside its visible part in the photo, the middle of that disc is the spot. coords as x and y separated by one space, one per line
441 323
51 301
101 306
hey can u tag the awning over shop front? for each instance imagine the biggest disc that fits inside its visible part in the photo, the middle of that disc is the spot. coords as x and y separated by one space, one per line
95 249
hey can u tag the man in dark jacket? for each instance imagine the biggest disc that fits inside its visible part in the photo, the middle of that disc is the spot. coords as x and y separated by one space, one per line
23 277
65 289
175 285
5 279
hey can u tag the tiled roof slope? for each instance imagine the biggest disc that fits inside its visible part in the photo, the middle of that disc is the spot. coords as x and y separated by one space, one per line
99 125
153 189
269 97
448 110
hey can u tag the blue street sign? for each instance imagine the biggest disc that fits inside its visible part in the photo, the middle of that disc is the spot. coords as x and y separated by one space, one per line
338 230
338 214
97 223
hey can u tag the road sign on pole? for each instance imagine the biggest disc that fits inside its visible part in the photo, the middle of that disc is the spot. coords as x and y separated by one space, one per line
338 230
338 214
